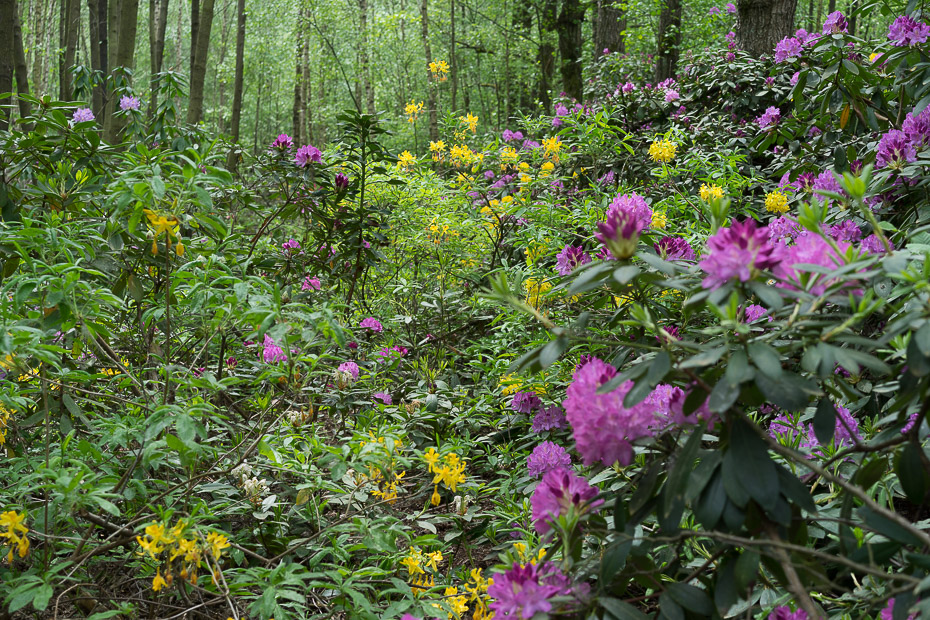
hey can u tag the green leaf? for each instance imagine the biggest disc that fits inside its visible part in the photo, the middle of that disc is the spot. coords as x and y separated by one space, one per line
766 359
677 482
755 469
691 598
619 610
825 421
722 396
747 567
911 473
888 528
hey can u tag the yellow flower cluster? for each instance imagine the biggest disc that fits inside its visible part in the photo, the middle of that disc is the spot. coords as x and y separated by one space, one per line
164 225
416 563
776 202
182 541
662 150
413 111
461 155
439 70
524 557
450 472
470 121
534 252
546 169
5 416
659 219
535 291
437 149
552 146
15 534
406 160
711 192
508 156
382 471
477 587
440 233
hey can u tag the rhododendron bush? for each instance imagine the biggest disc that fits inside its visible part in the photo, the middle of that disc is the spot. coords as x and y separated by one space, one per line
663 352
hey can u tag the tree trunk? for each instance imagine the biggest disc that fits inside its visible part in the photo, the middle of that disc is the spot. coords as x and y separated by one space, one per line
853 14
452 67
195 30
69 31
569 29
669 39
609 24
545 55
431 90
195 106
124 43
97 19
158 12
21 68
363 57
258 107
761 24
6 59
298 112
232 159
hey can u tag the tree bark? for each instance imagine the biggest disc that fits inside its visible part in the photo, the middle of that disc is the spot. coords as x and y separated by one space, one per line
364 57
298 112
569 30
195 106
97 19
609 24
69 31
431 90
21 68
232 158
195 28
158 12
6 60
452 67
669 39
545 55
124 44
761 24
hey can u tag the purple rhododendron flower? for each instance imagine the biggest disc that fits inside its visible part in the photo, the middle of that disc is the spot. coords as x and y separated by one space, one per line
388 353
754 312
738 252
633 204
784 613
847 230
873 245
787 49
809 250
283 142
82 115
523 591
508 135
602 426
271 352
349 369
917 128
341 182
783 230
835 23
128 102
306 155
845 433
569 258
628 88
731 8
713 11
906 32
547 457
794 78
549 418
560 491
895 148
525 402
371 323
310 284
671 95
769 118
888 611
290 245
384 397
674 248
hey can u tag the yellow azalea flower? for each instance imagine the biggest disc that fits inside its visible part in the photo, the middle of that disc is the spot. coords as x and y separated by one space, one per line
776 202
217 543
552 147
159 582
413 110
438 146
406 160
547 168
470 120
161 224
709 192
435 499
535 291
435 558
439 70
659 219
662 150
13 521
412 563
873 56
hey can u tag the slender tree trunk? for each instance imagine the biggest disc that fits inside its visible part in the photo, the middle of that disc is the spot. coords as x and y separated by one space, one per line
195 31
853 15
6 59
195 107
306 112
69 31
814 26
219 86
810 15
431 91
569 29
21 68
124 44
831 6
761 24
545 55
364 57
452 67
299 86
97 20
669 39
232 159
258 108
158 10
609 24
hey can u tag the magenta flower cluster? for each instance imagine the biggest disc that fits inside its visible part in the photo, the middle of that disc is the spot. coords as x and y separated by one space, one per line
769 118
82 115
311 284
738 252
627 216
845 433
835 23
525 402
784 613
547 457
549 418
674 248
787 49
282 143
569 258
371 323
523 591
271 352
561 491
128 102
907 32
306 155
